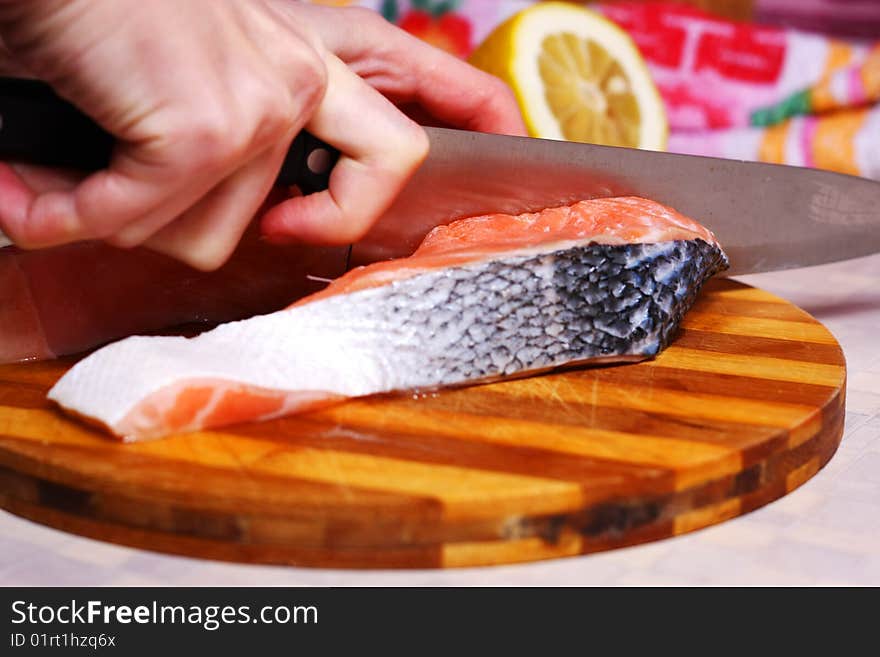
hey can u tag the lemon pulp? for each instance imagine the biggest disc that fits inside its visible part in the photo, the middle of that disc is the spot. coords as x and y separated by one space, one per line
588 92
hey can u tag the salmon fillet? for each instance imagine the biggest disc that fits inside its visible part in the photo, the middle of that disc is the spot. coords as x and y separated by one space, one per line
481 299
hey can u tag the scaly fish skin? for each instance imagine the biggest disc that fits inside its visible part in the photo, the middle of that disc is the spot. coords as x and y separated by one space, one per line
514 315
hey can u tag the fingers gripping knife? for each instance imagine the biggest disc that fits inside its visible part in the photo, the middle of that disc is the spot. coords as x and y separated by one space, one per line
38 127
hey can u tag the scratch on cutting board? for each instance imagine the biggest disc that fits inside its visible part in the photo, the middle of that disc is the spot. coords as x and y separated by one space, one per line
594 401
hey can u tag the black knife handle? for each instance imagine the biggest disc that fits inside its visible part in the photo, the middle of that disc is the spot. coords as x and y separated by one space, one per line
39 127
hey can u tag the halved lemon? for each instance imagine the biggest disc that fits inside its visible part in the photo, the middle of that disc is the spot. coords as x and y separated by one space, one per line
577 76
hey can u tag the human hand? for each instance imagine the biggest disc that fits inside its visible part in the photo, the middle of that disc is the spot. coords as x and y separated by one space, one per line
204 99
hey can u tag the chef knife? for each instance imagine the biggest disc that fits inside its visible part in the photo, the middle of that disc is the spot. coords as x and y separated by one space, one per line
766 216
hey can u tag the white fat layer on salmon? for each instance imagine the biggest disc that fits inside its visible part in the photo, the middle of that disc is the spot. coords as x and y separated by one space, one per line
592 296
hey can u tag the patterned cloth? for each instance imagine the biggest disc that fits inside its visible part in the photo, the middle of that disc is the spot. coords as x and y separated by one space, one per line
731 89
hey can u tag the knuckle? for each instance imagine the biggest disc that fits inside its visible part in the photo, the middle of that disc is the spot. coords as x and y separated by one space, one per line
273 127
311 80
277 116
207 141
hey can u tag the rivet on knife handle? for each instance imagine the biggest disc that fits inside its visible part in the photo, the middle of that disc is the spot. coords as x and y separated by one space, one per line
39 127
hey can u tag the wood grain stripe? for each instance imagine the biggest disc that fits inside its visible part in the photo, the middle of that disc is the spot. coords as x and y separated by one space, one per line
778 369
750 308
487 553
805 429
22 395
719 289
761 327
726 385
801 474
809 352
699 518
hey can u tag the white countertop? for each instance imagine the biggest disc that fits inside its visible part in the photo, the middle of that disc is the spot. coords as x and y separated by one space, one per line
825 532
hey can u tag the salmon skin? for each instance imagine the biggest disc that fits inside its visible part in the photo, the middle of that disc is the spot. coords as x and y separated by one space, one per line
482 299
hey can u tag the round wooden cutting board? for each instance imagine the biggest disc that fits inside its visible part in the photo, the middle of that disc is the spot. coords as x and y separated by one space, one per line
744 406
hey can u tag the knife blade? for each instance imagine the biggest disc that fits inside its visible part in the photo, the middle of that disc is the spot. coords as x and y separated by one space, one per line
766 216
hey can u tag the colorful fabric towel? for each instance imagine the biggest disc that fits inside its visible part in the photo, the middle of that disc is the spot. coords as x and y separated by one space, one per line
731 89
755 92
